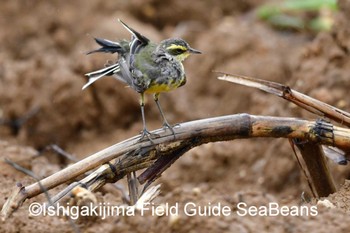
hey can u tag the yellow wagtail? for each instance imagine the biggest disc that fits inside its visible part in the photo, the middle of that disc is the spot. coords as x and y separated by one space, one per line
146 67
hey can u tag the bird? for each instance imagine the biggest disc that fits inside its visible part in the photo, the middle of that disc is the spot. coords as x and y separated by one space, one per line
147 67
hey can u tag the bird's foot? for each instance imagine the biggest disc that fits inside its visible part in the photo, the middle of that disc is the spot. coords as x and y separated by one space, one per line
150 136
167 125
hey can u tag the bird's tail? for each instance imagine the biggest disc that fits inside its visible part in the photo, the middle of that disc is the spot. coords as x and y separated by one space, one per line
96 75
108 46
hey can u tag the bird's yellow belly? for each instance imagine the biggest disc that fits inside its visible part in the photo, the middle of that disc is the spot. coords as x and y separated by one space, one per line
163 87
156 88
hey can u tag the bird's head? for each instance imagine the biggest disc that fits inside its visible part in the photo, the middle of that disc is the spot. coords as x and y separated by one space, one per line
178 48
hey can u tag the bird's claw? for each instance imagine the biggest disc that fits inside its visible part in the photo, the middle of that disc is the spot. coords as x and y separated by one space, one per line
149 135
167 125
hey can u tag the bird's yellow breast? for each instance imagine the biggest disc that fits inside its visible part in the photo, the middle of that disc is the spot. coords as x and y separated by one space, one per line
166 84
164 87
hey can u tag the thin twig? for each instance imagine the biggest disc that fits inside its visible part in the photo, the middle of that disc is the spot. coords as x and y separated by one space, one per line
31 174
44 190
306 102
58 150
306 175
16 124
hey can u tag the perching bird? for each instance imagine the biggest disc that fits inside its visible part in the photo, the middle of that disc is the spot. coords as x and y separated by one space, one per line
145 66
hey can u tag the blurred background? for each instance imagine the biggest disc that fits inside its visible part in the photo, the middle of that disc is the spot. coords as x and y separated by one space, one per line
304 44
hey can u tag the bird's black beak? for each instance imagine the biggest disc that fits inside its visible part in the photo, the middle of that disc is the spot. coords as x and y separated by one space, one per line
194 51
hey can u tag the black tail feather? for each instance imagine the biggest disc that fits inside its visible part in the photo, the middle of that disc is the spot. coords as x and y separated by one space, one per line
107 46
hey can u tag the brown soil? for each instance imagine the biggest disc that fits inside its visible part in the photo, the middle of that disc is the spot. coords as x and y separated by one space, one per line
42 71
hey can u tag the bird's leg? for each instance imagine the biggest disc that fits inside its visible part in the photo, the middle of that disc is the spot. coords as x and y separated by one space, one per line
144 131
165 122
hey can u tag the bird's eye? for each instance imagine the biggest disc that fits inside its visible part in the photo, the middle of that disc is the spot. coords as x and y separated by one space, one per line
178 51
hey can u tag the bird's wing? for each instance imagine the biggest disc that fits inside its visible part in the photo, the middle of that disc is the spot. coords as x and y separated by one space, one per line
107 46
125 73
137 42
124 69
138 36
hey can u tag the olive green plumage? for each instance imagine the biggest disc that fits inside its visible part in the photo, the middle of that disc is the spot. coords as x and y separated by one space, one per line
145 66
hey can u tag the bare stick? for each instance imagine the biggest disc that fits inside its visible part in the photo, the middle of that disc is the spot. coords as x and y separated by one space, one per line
306 102
309 182
316 164
31 174
311 152
58 150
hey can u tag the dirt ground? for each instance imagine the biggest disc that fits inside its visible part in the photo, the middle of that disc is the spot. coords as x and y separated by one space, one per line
42 67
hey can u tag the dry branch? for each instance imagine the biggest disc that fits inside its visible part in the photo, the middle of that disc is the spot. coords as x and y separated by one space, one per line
313 154
132 154
306 102
317 167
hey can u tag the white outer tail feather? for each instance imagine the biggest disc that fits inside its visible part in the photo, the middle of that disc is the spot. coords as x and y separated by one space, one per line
96 75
